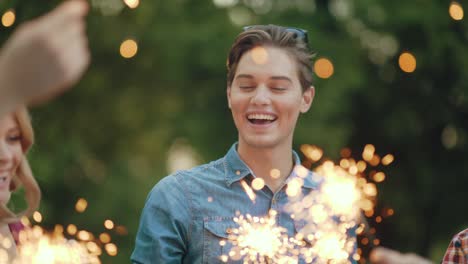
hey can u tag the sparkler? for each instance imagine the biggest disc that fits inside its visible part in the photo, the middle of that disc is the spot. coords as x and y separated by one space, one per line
260 240
36 246
329 217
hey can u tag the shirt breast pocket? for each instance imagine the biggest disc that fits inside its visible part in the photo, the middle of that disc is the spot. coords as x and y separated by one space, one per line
216 245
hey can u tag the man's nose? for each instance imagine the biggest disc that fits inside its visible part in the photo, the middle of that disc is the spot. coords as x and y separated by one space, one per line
261 96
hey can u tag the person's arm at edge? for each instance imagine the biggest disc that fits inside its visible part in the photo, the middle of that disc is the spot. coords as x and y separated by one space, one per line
455 251
164 225
44 56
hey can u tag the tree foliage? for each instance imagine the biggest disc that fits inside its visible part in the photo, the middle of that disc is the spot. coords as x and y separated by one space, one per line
108 139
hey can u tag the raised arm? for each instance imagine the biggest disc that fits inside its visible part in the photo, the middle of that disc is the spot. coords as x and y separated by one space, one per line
44 57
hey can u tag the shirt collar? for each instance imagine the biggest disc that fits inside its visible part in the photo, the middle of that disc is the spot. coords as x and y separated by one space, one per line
235 169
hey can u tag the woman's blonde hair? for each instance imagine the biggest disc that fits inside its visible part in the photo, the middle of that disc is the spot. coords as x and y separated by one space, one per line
24 174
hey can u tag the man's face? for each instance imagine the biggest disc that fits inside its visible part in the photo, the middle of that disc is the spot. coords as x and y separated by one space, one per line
266 98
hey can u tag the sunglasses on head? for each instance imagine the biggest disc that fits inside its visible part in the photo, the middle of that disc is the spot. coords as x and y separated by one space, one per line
299 33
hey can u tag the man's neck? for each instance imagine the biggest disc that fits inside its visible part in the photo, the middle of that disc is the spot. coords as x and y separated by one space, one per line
263 160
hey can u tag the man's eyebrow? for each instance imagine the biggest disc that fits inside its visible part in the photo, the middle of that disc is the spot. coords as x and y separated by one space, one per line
278 78
248 76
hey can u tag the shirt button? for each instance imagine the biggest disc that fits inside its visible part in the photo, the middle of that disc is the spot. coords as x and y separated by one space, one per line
273 201
228 230
237 172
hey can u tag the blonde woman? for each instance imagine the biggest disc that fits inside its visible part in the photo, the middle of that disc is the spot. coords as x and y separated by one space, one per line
16 137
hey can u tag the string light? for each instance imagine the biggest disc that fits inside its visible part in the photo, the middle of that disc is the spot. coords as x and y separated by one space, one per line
81 205
128 48
407 62
323 67
456 11
8 18
132 3
37 217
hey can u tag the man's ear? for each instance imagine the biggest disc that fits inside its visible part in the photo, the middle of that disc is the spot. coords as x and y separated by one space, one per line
307 98
228 93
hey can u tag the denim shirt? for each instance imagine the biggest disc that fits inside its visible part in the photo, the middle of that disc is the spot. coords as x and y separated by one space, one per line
188 213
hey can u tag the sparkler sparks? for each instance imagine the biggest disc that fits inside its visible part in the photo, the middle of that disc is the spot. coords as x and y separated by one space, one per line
40 247
68 245
260 240
327 219
331 213
248 191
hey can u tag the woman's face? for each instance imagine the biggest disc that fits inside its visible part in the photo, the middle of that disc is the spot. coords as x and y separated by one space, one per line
11 154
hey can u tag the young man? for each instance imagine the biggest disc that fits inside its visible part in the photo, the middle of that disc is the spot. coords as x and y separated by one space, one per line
189 213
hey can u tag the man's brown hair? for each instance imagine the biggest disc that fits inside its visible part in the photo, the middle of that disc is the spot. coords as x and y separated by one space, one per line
273 36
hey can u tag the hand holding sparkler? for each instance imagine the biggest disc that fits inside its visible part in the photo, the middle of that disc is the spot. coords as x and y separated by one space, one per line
45 56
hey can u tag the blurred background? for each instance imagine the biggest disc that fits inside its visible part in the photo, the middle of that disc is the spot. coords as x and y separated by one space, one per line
388 73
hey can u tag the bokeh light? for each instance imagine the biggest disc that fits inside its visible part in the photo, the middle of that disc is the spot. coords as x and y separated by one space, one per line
294 187
132 3
109 224
379 177
345 152
128 48
84 235
258 184
81 205
105 238
312 152
368 152
72 229
39 246
323 67
387 159
37 217
275 173
8 18
375 160
111 249
225 3
456 11
259 55
449 137
121 230
407 62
